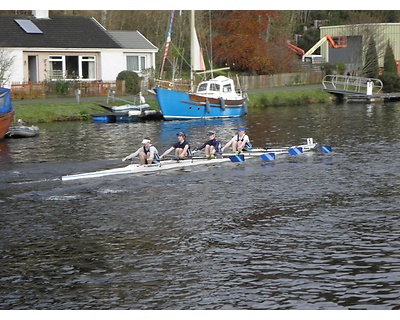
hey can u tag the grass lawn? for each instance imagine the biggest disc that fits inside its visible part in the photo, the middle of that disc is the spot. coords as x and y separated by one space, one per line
63 111
293 98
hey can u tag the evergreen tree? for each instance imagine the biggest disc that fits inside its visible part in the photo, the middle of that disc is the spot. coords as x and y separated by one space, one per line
390 77
371 66
389 64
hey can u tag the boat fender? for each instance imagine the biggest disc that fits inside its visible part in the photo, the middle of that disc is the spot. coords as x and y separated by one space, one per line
134 113
222 101
245 107
208 107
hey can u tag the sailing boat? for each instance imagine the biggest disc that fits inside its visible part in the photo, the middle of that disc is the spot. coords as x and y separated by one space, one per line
214 98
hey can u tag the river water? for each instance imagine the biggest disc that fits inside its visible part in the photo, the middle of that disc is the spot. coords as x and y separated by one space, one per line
315 231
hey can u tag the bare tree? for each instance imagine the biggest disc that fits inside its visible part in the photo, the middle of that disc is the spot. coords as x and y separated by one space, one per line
6 62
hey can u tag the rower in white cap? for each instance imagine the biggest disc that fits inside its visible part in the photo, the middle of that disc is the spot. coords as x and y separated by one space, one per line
148 153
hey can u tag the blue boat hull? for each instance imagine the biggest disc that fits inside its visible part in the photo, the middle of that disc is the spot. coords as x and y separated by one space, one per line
176 105
6 111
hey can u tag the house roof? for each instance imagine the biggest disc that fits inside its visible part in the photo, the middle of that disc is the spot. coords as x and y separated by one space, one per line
132 40
57 32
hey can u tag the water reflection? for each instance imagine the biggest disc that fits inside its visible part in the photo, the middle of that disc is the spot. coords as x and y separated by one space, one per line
4 152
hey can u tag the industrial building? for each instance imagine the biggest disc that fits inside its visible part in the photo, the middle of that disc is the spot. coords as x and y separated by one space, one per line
357 38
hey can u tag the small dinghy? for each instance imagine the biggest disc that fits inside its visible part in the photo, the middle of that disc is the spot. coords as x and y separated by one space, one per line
124 110
21 131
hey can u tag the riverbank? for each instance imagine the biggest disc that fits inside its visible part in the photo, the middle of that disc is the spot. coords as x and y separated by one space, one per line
64 110
289 97
68 109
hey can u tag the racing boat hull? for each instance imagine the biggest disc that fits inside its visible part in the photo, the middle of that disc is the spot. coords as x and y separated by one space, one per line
136 169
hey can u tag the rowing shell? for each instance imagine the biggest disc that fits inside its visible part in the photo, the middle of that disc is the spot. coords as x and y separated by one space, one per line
265 154
135 168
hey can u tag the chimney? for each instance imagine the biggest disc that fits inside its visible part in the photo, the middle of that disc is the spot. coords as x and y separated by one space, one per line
41 14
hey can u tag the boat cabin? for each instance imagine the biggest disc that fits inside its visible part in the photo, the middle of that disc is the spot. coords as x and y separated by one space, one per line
218 87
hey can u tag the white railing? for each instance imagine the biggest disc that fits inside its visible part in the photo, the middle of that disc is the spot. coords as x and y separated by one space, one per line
350 84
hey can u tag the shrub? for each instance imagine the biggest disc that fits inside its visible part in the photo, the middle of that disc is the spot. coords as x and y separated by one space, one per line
132 81
62 87
391 82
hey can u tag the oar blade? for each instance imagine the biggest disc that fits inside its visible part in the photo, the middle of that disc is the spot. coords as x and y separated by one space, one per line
237 158
324 149
295 151
268 156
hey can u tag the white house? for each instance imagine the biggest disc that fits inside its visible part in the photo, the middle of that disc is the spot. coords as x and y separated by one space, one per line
70 47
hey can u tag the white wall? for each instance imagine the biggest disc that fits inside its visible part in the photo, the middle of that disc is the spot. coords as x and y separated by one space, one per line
16 70
111 63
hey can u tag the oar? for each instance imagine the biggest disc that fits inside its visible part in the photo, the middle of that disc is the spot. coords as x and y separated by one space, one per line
268 156
295 151
324 149
271 155
237 158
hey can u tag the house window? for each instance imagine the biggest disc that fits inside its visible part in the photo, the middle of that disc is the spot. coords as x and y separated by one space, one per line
88 70
72 67
56 67
135 63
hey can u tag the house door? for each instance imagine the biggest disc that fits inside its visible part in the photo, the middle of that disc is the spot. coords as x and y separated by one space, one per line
33 70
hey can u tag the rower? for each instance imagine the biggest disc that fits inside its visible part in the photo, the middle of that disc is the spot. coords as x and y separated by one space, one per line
148 154
240 142
211 146
182 147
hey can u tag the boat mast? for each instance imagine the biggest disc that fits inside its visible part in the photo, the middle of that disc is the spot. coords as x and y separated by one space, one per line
192 49
167 42
196 56
211 51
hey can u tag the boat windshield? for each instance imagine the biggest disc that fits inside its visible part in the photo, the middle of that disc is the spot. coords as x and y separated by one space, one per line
227 88
202 87
214 87
208 87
